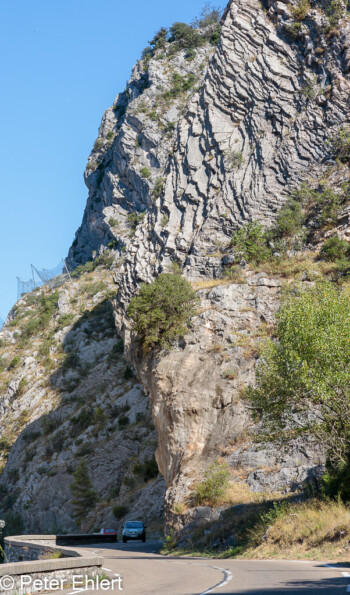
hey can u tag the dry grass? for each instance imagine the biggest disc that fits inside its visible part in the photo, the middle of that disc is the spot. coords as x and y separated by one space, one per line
296 266
238 492
209 283
313 529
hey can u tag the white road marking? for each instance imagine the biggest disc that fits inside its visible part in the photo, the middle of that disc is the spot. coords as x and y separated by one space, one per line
345 574
330 566
224 582
108 569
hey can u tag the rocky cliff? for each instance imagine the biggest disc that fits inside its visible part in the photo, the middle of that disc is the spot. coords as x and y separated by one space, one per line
202 140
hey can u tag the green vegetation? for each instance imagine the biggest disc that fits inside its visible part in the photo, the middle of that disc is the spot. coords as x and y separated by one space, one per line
161 310
308 370
335 12
123 421
335 249
213 486
84 496
145 173
204 29
235 158
120 511
301 10
134 219
46 308
340 144
257 245
180 84
105 260
158 187
148 469
112 221
250 244
99 143
185 37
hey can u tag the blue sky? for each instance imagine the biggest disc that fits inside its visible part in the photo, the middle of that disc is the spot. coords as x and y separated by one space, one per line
62 63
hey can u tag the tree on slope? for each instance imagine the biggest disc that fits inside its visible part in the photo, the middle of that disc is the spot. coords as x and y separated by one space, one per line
303 379
84 496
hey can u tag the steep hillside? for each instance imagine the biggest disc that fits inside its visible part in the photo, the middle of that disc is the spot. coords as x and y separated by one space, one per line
68 395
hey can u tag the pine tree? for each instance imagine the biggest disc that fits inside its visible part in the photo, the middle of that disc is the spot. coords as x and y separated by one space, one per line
84 496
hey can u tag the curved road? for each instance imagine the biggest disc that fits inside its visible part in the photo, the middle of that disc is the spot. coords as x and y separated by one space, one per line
145 572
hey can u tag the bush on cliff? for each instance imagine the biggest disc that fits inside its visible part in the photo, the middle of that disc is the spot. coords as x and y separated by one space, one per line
162 309
303 380
213 486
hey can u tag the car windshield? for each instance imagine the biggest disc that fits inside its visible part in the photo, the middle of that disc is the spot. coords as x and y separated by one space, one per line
133 525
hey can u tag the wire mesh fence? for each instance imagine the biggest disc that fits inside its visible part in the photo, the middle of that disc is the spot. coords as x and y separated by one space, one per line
53 277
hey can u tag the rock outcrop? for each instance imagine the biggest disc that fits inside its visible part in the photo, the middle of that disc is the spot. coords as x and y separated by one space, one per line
198 144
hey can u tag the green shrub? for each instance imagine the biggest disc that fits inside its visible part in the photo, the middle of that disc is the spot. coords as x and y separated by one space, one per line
129 481
71 362
14 363
128 373
46 307
185 36
250 243
148 469
158 187
190 55
99 417
134 219
329 203
123 421
84 496
308 370
120 511
48 425
99 143
301 10
170 543
21 387
159 41
235 158
112 222
117 349
289 219
340 144
164 221
334 248
145 173
180 84
213 486
335 11
81 421
162 309
215 36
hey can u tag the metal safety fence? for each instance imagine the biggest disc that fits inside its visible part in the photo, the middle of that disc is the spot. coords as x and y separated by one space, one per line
52 277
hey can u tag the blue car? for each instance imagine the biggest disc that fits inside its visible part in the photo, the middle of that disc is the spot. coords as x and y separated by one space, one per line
134 530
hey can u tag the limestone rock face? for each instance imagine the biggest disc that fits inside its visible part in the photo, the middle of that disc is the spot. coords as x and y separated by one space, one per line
127 164
257 124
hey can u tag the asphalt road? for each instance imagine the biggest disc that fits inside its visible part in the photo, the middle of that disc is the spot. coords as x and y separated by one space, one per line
145 572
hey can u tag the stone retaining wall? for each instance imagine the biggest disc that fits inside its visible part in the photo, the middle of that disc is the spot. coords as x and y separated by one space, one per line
36 550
